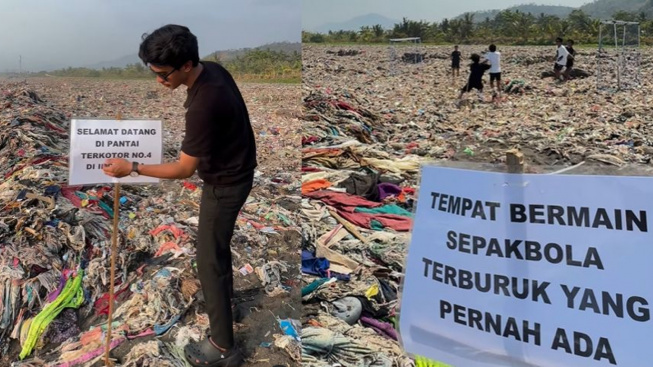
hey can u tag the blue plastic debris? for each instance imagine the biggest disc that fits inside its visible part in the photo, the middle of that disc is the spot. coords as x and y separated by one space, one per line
161 329
288 328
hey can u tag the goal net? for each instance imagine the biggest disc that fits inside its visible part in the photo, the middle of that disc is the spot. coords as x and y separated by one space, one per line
618 58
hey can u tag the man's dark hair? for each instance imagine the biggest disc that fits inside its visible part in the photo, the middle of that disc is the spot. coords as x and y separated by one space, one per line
559 39
571 42
493 47
456 46
475 58
171 45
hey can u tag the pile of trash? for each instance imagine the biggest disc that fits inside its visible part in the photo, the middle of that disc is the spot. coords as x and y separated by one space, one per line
572 122
368 127
357 209
344 52
413 57
55 241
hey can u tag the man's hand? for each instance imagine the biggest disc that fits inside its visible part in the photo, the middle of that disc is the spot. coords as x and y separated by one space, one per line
183 168
116 167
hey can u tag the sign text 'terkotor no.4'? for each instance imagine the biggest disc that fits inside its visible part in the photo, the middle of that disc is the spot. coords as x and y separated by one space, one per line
92 142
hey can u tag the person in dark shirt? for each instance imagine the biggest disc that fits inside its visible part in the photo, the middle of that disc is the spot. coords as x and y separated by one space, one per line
570 59
219 144
455 62
476 71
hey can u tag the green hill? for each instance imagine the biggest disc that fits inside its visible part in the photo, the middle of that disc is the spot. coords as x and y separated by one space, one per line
281 47
599 9
604 9
559 11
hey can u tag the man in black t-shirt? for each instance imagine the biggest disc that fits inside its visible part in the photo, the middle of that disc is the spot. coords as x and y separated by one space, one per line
476 71
218 143
455 62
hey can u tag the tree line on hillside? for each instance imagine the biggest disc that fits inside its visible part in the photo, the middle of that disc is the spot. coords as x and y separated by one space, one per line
506 27
268 64
253 64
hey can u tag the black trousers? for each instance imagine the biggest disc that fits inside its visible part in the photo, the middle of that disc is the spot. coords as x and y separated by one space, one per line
218 212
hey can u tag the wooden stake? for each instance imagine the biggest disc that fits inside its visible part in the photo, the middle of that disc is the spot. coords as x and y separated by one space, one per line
114 249
515 161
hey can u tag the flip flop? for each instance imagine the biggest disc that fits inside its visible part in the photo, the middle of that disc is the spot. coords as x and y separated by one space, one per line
205 354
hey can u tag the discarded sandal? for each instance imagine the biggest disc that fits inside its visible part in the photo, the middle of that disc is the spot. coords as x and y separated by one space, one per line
205 353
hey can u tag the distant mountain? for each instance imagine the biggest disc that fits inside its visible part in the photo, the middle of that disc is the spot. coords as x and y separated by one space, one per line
117 63
286 47
48 67
225 55
604 9
647 8
601 9
356 23
560 11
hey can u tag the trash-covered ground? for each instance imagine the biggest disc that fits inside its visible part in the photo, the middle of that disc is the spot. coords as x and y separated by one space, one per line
55 239
369 123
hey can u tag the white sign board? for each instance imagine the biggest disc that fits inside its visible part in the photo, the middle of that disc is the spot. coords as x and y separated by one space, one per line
92 142
530 270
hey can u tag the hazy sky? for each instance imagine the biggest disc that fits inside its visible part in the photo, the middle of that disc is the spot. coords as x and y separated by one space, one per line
56 33
318 12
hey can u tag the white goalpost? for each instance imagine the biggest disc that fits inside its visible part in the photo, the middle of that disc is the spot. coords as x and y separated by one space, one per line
413 44
618 58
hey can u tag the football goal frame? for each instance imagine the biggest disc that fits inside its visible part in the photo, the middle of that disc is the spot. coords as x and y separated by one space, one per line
415 57
618 58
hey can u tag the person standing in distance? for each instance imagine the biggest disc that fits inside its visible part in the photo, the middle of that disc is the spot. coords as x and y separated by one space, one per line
570 59
561 58
219 143
455 62
494 58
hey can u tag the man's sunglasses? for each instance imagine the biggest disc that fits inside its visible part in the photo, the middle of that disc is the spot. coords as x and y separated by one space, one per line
163 75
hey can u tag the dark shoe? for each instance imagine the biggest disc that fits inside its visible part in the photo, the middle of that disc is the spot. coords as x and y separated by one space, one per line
204 353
